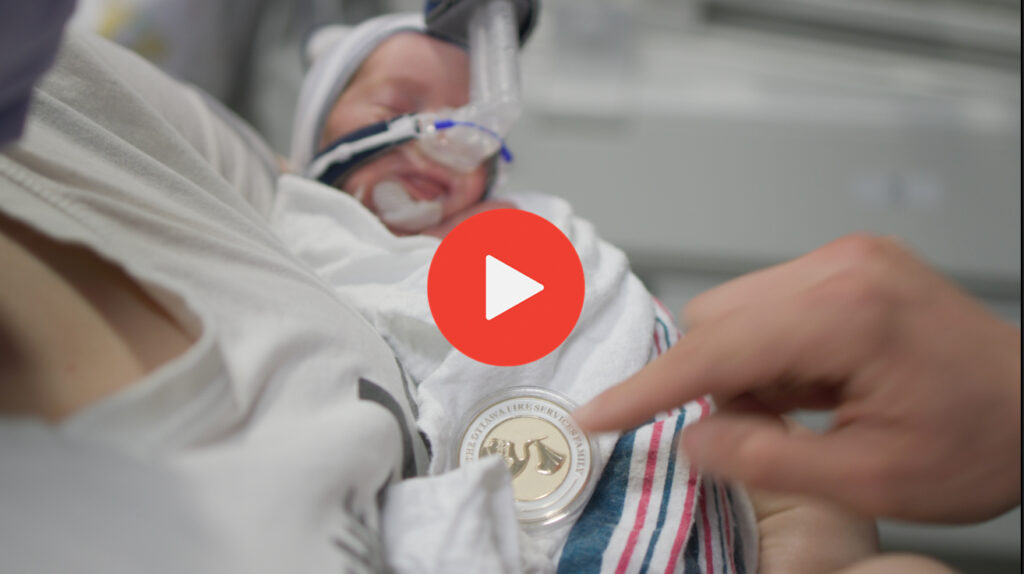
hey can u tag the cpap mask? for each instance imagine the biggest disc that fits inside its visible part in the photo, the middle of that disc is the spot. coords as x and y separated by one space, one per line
461 139
460 144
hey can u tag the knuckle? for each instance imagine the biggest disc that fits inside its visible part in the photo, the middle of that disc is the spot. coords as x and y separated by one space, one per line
690 312
753 471
856 246
864 309
862 249
756 467
697 308
856 290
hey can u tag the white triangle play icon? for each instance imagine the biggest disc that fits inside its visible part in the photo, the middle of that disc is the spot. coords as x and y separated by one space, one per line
505 287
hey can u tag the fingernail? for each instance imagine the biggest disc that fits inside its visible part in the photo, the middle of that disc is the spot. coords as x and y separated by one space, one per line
584 416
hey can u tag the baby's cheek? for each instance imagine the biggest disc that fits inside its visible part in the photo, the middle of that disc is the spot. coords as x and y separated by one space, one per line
357 185
465 195
476 185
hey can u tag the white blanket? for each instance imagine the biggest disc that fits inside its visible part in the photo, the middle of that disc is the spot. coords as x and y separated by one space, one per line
385 278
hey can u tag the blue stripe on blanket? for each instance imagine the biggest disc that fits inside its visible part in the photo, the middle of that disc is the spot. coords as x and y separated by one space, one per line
589 537
664 329
691 556
720 513
670 472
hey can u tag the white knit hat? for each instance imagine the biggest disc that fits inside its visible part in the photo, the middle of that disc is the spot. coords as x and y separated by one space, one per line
337 52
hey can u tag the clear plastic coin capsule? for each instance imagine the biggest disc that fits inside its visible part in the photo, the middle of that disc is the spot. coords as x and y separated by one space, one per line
551 460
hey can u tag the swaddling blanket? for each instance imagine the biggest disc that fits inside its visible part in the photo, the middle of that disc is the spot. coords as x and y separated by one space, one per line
650 509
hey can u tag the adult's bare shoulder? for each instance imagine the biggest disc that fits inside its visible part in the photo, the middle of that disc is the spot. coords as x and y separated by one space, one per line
74 327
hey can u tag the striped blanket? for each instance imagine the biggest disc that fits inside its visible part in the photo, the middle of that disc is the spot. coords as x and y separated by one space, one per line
653 512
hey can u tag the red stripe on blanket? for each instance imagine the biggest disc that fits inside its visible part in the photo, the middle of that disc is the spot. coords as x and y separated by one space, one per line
645 497
727 518
691 490
709 557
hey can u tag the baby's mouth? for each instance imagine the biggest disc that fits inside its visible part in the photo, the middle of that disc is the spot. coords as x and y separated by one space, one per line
424 187
398 207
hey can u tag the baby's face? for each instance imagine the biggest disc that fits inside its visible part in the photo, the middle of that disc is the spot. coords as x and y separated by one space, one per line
407 73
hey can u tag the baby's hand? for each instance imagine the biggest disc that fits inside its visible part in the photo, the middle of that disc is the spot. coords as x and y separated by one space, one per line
442 229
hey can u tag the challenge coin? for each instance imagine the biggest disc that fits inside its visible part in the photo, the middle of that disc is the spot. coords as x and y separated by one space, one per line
550 458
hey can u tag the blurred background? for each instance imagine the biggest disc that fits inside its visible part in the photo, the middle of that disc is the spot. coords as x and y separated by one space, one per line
708 138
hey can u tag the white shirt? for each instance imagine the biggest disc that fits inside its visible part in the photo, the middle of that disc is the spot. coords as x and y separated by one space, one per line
267 445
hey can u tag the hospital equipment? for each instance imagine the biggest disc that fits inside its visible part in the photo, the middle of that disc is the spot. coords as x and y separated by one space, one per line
464 151
354 148
398 209
489 28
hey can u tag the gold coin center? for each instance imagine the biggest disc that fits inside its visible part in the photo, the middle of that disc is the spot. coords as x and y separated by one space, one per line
535 452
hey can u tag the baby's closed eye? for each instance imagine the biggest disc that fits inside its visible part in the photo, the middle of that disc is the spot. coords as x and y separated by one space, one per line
397 101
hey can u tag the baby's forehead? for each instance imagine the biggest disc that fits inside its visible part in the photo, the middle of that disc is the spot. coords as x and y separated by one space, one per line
414 57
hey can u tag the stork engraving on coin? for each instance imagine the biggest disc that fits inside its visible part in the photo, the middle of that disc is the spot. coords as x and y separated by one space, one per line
549 460
534 450
548 457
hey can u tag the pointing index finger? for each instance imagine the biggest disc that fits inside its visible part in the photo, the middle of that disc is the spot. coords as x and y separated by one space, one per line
742 351
678 376
773 283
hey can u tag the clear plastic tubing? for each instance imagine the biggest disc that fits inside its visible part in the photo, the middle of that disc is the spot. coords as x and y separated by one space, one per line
494 64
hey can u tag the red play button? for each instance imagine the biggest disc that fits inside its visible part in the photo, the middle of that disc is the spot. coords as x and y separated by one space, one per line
505 287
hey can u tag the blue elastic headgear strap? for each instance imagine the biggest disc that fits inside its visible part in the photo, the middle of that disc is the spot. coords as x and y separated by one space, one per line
337 170
335 162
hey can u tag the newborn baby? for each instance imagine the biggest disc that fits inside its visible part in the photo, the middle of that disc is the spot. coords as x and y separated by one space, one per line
404 72
650 509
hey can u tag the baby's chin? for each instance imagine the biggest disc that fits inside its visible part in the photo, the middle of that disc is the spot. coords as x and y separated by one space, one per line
399 209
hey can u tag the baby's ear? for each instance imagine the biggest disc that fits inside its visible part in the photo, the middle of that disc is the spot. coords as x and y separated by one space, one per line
323 39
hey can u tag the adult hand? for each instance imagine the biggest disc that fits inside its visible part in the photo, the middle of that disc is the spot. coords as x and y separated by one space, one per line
801 534
925 384
805 535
